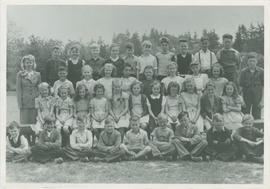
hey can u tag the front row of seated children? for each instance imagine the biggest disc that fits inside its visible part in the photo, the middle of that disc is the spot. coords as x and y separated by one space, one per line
186 143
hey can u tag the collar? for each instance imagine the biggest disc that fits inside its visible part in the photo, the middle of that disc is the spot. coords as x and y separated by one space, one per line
16 139
207 51
132 56
183 55
114 59
137 132
215 130
97 58
256 69
74 61
90 80
155 97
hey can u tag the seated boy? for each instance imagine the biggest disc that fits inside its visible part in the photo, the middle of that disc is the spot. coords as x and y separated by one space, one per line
250 140
80 143
220 144
136 140
17 149
49 145
188 142
108 147
162 146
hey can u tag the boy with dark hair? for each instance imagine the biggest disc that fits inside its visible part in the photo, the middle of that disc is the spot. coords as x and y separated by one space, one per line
184 58
132 60
52 66
252 85
229 58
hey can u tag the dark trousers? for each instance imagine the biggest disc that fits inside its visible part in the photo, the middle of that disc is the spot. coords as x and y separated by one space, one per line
43 153
65 137
185 149
252 98
29 134
74 154
109 157
250 151
223 152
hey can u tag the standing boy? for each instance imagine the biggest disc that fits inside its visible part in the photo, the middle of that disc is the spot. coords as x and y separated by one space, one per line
252 85
52 66
132 60
229 58
164 58
116 60
96 62
184 58
205 57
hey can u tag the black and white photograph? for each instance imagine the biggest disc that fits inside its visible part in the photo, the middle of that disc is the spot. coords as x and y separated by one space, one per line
134 94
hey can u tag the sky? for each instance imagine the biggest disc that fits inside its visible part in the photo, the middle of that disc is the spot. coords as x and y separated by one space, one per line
76 22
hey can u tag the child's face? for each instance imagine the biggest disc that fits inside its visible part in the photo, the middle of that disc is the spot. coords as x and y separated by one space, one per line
229 90
147 48
56 53
87 74
136 89
62 75
130 51
95 52
156 89
252 62
108 71
75 52
149 74
164 47
248 123
109 127
82 92
218 124
116 88
44 92
195 68
190 87
204 44
99 92
185 121
174 91
172 70
135 125
183 47
216 72
14 132
64 93
80 125
49 126
162 122
227 43
115 51
210 90
127 71
28 64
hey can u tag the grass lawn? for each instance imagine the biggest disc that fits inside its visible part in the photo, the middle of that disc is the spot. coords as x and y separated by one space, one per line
131 172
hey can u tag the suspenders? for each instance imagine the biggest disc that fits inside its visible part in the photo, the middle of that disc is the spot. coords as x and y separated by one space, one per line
210 58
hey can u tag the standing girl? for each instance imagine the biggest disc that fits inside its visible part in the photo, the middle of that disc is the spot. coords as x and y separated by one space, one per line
119 108
139 105
75 64
44 105
99 110
217 79
147 80
27 89
87 79
174 104
107 79
172 71
231 104
157 102
192 105
64 114
127 79
81 104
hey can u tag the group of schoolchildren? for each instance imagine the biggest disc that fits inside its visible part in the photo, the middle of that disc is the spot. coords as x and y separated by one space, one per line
130 108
